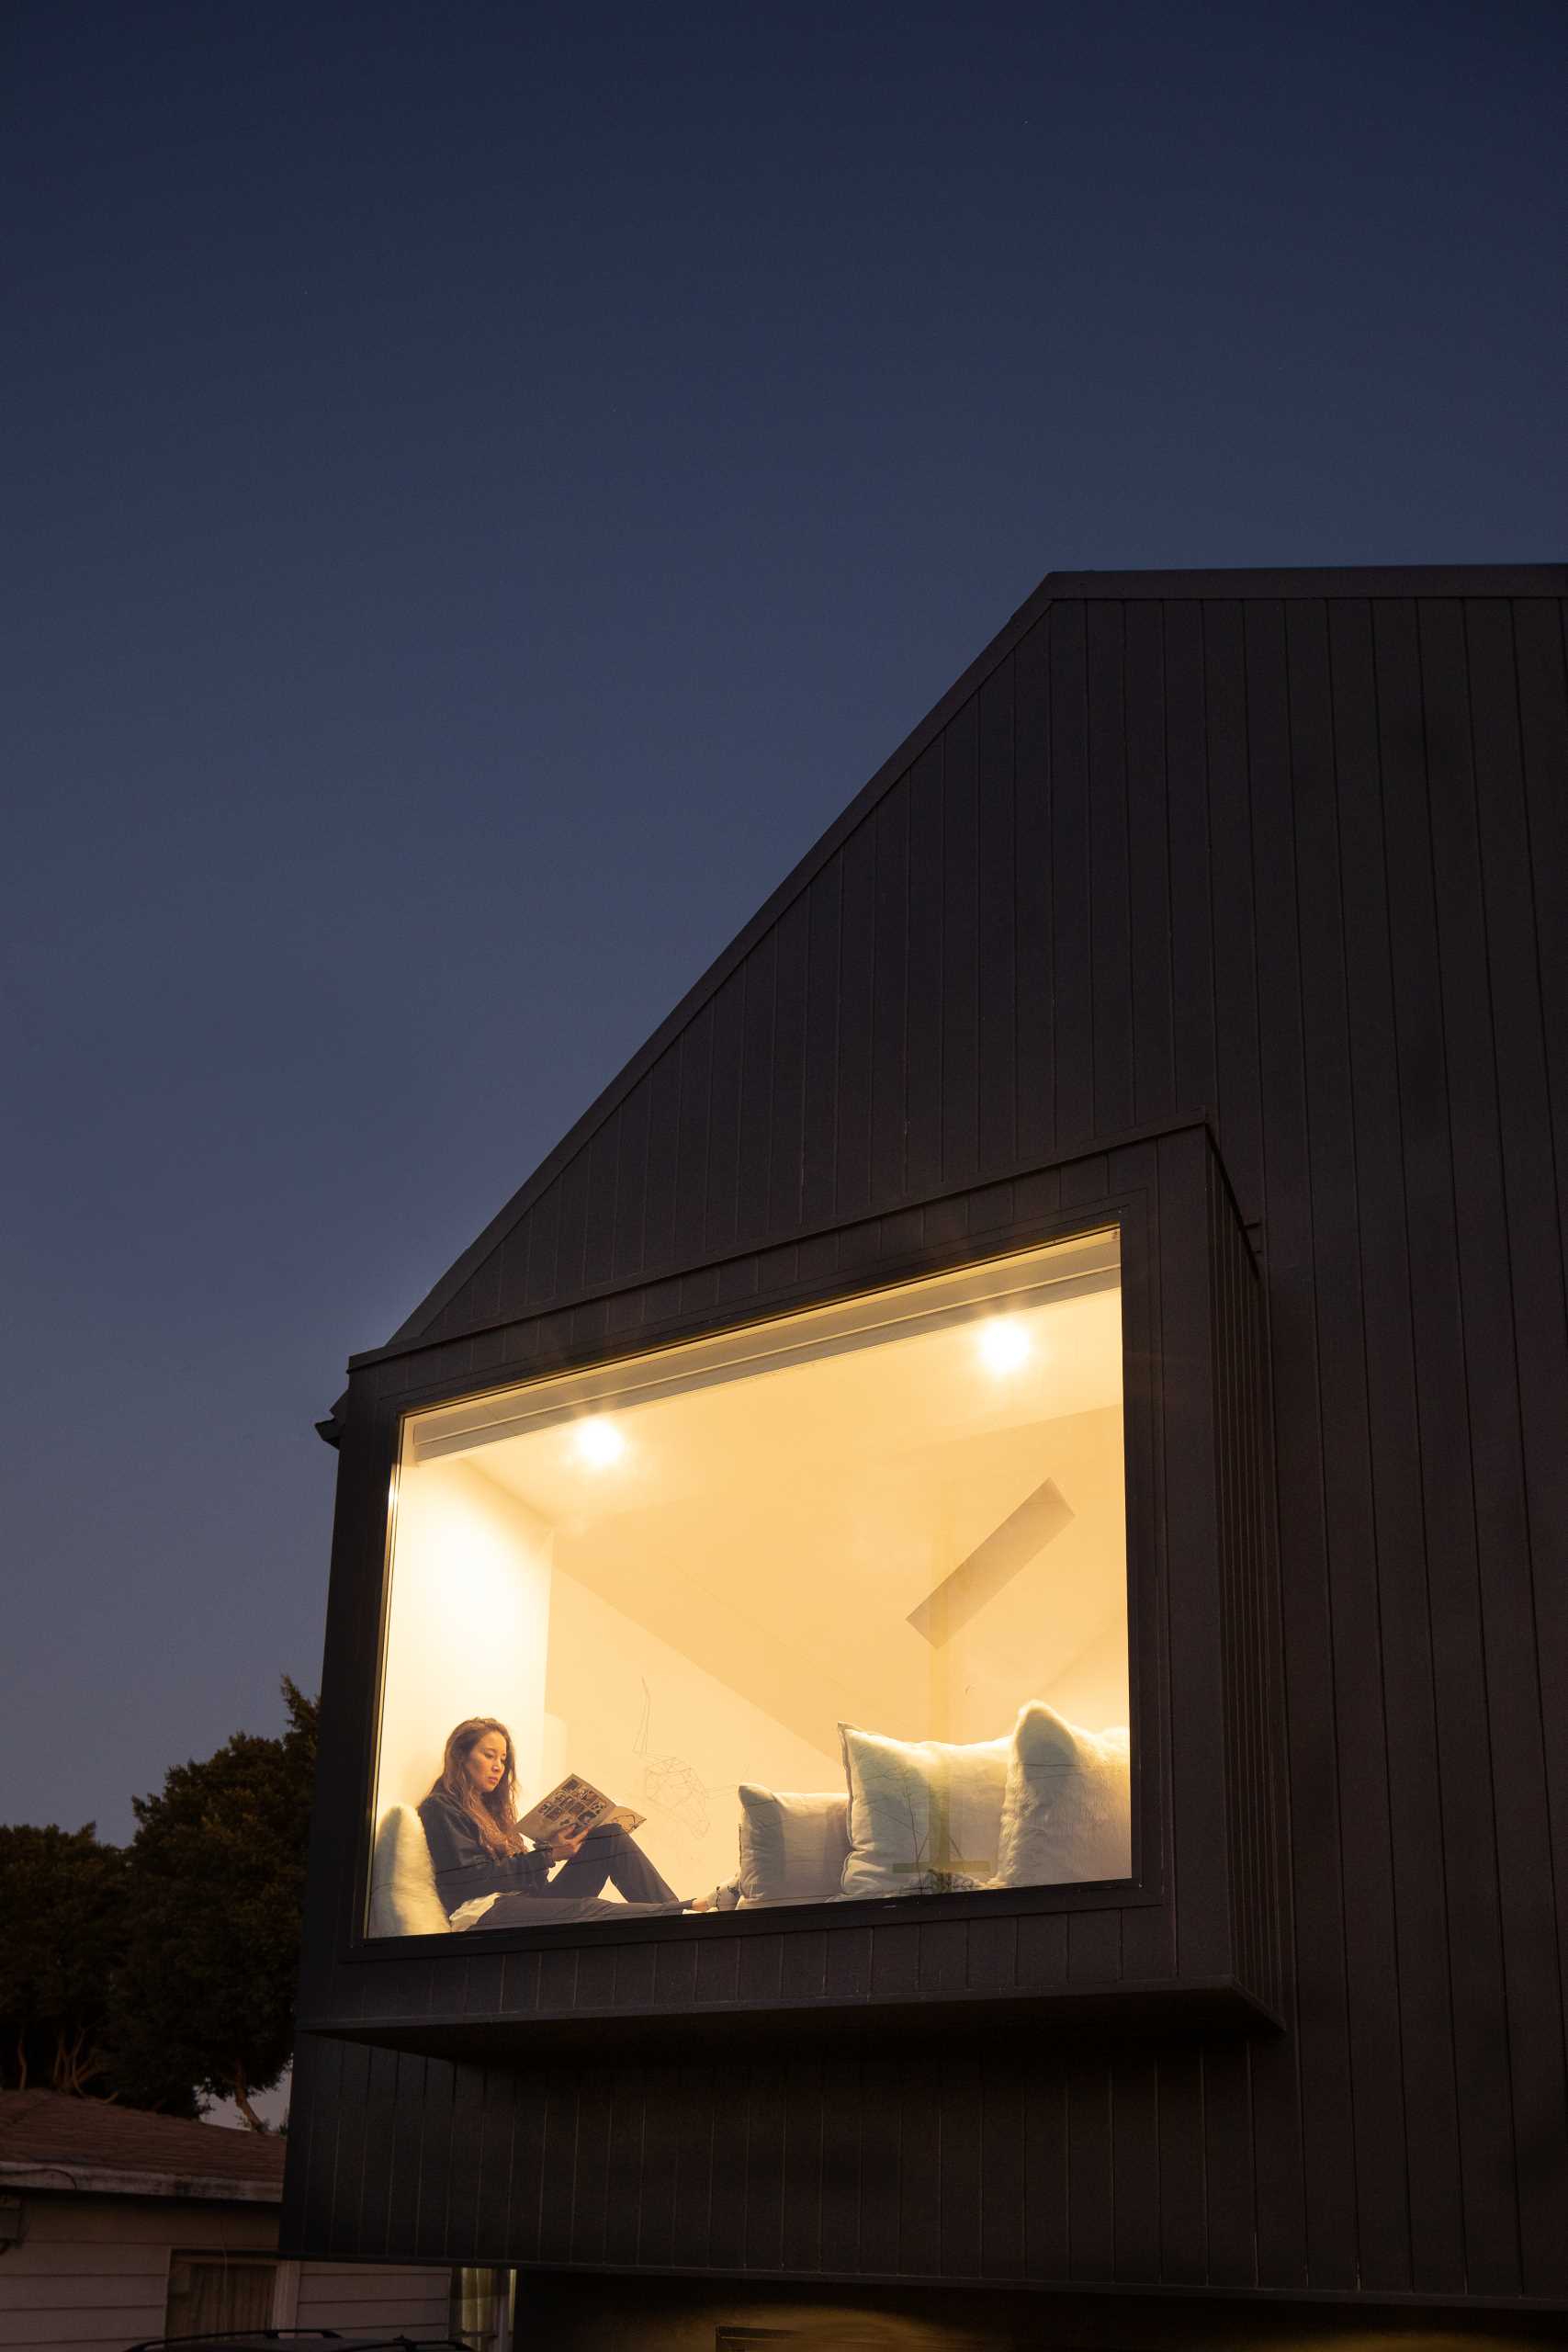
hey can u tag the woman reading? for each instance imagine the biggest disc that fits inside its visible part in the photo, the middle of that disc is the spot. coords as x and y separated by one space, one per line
470 1825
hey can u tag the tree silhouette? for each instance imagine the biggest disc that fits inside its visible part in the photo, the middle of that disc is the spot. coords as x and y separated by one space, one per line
62 1903
215 1883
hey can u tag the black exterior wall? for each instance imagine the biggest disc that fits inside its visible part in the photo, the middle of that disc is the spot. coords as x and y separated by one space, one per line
1285 854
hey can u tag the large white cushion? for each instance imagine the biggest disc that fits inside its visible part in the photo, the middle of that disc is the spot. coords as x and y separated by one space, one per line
1066 1813
793 1844
925 1814
403 1901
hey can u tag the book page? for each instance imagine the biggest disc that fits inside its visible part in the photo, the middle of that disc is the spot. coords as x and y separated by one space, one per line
573 1807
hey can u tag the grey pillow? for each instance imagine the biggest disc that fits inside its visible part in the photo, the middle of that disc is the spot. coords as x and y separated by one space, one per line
793 1844
925 1814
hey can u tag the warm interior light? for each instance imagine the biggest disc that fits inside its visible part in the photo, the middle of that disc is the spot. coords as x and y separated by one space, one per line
600 1441
689 1566
1003 1345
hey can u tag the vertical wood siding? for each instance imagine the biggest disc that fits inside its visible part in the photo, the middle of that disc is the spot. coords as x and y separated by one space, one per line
1248 1632
1303 862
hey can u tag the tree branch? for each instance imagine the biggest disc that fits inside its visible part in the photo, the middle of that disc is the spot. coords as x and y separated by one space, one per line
241 2100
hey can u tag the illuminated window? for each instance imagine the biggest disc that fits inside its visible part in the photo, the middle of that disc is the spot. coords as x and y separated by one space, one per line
836 1603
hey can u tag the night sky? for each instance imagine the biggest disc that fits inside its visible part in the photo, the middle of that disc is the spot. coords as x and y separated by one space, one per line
485 484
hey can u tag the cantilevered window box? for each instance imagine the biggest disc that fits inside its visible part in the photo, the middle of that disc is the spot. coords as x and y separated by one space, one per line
907 1589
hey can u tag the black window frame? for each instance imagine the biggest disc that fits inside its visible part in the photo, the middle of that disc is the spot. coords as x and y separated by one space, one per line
1144 1883
1205 1707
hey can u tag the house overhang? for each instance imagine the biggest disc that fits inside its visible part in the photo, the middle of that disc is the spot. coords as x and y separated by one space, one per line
108 2180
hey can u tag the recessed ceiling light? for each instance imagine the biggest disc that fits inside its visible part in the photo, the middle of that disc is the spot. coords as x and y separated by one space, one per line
1004 1345
600 1441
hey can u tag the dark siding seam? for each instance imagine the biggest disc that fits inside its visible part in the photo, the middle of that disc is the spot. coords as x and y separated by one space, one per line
1421 2058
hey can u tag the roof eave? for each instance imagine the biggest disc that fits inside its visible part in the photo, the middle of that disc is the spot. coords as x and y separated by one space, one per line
64 2177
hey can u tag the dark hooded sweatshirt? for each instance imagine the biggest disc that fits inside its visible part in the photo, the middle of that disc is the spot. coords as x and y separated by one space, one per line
465 1866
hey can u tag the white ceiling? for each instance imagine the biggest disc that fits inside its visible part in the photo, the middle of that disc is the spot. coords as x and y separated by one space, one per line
779 1528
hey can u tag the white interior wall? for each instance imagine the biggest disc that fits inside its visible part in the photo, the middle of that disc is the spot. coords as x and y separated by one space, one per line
1091 1689
1058 1631
647 1725
791 1582
469 1624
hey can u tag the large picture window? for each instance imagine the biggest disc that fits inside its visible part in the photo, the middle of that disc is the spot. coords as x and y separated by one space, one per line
830 1607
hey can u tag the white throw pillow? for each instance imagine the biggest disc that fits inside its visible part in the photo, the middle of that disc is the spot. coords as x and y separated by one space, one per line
1067 1814
925 1814
792 1845
403 1901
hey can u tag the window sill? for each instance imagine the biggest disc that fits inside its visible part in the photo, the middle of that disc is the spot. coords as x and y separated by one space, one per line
1118 2011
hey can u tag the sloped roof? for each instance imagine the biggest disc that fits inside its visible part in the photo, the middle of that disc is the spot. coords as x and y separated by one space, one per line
448 1308
88 2143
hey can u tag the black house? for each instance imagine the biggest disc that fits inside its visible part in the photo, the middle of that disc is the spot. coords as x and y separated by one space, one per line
1024 1440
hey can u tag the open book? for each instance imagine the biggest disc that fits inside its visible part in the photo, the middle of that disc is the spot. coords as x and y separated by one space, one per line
575 1805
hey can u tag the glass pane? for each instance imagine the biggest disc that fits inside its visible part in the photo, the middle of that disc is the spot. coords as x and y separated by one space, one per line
477 2305
211 2292
834 1606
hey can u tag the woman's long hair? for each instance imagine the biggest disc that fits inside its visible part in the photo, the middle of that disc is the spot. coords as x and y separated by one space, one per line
494 1815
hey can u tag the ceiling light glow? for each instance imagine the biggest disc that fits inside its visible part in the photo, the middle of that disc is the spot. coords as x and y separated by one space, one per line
599 1441
1004 1345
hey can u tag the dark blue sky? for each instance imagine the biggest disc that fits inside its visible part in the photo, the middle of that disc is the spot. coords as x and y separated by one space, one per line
485 486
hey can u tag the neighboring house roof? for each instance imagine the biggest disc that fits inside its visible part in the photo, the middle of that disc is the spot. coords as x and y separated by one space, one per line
49 2141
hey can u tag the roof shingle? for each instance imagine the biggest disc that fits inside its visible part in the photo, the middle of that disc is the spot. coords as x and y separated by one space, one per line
46 2128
